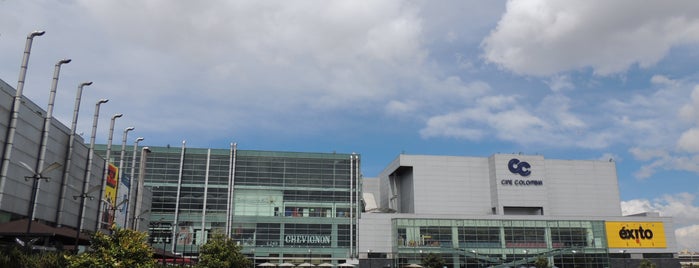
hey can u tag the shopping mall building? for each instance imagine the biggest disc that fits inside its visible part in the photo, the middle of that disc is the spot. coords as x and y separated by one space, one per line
316 208
506 210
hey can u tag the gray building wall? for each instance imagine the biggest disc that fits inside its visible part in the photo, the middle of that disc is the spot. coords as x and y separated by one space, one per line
375 232
476 186
15 191
583 187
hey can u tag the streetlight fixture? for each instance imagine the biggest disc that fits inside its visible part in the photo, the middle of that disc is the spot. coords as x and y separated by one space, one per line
140 187
88 170
121 165
526 257
15 108
69 153
44 137
49 114
36 175
309 255
475 253
253 258
420 259
132 194
574 252
105 174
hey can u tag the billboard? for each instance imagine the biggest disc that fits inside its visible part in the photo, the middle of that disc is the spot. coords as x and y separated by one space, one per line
635 234
107 217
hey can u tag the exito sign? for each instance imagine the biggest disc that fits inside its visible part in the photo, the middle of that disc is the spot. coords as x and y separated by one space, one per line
635 234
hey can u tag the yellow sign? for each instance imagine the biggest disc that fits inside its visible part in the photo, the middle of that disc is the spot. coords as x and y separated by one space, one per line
635 234
110 190
110 196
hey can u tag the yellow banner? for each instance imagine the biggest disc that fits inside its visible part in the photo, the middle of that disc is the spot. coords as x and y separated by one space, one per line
110 190
110 197
635 234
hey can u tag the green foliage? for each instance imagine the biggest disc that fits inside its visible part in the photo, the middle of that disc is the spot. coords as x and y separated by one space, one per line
123 248
541 262
15 256
432 260
646 264
222 252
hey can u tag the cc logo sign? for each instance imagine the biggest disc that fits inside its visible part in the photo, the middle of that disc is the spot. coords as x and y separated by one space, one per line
517 167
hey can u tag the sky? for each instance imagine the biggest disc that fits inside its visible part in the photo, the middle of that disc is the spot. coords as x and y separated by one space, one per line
579 79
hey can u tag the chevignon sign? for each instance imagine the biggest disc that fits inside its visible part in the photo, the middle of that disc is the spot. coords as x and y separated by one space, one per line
306 239
523 169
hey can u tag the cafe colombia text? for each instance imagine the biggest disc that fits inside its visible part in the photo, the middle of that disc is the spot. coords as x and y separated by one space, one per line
523 169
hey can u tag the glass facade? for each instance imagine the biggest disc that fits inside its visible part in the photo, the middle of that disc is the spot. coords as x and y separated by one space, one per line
280 206
295 207
500 243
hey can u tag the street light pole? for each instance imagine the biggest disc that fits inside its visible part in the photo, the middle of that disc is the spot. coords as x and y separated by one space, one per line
132 192
45 135
44 138
623 256
120 173
140 187
88 170
526 258
15 109
105 173
69 154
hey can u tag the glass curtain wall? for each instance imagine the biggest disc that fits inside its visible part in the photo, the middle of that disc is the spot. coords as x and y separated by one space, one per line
286 206
295 207
190 190
501 243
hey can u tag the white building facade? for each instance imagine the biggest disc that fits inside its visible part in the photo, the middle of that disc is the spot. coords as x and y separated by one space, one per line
506 210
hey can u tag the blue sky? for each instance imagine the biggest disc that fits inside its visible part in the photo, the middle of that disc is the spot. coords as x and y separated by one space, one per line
566 79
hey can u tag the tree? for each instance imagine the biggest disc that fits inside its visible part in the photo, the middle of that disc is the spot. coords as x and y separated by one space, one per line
221 252
646 264
433 261
541 262
23 256
123 248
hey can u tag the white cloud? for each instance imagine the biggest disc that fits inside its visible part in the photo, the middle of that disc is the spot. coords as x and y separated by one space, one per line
680 207
279 64
659 159
449 125
689 141
688 237
550 123
690 111
647 154
545 37
663 80
560 82
399 107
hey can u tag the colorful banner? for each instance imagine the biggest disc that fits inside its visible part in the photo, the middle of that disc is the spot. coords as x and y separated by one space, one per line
635 234
109 196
